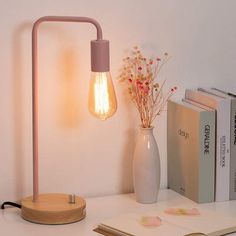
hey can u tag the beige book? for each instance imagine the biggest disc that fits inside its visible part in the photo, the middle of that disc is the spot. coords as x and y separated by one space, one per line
191 151
206 223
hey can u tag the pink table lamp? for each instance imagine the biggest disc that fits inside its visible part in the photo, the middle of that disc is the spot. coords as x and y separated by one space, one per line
63 208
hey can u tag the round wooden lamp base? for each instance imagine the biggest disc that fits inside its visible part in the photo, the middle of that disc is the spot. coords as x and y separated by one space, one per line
53 209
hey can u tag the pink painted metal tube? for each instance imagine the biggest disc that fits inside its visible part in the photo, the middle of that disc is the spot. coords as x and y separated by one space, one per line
101 66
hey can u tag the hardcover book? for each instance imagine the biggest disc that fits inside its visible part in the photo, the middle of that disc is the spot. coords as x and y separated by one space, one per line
222 107
191 151
172 221
232 98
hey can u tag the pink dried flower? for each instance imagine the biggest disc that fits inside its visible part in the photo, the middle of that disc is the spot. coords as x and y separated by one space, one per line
173 89
148 96
182 211
138 82
150 221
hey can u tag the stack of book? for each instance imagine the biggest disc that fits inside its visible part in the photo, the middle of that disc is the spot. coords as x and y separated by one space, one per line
201 145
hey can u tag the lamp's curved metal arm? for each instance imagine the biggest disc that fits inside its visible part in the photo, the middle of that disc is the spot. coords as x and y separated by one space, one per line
80 19
35 83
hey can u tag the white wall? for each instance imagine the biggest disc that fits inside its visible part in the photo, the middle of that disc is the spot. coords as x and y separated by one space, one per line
79 154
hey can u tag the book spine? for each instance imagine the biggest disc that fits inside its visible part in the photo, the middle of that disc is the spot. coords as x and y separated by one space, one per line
233 151
222 180
207 157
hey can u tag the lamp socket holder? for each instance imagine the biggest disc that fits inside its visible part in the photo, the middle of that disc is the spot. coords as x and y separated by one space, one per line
100 59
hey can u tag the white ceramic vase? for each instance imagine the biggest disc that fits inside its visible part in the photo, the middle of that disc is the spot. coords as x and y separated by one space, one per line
146 167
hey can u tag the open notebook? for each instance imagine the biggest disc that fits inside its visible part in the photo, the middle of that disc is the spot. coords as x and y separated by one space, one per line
180 224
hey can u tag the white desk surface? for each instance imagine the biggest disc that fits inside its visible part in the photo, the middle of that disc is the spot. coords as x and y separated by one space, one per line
98 209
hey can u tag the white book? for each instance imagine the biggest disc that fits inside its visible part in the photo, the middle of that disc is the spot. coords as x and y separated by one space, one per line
205 223
222 107
232 99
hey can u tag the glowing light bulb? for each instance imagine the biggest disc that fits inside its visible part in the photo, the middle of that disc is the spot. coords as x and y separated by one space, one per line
102 98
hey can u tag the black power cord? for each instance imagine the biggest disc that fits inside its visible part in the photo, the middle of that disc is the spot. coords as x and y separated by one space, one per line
10 204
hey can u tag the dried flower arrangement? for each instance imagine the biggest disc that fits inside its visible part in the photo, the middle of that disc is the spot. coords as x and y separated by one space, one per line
140 74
